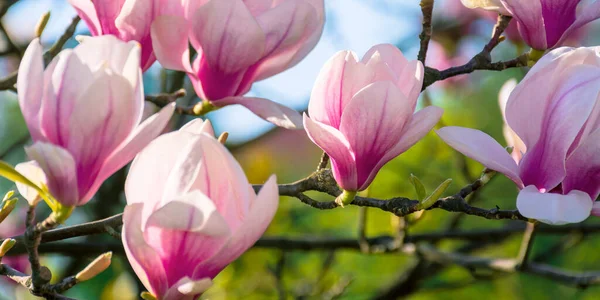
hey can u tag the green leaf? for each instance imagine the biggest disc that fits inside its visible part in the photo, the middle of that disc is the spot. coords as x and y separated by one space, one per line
431 199
419 188
7 171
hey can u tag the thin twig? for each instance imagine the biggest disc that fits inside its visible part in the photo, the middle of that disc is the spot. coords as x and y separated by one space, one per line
526 245
425 36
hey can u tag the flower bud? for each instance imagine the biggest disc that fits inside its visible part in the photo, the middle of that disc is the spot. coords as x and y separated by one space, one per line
94 268
6 245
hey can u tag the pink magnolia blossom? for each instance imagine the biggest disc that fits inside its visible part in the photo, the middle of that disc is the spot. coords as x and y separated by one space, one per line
190 212
238 43
555 112
544 24
361 112
130 20
83 113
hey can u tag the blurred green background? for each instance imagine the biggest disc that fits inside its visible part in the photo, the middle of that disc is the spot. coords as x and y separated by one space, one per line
469 101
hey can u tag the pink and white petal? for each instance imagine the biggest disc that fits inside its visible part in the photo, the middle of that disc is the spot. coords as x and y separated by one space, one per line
172 149
267 110
555 209
187 289
86 10
420 124
170 43
144 260
69 80
583 167
35 174
107 12
338 148
339 80
254 225
194 212
231 38
223 180
529 16
586 14
142 136
286 26
122 57
482 148
373 123
544 163
199 126
60 169
30 87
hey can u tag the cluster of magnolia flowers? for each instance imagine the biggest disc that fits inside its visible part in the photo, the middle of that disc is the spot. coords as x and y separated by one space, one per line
190 209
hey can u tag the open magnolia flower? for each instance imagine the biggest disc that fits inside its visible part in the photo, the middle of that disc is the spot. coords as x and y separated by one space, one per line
362 112
238 43
199 215
129 20
83 113
557 167
543 24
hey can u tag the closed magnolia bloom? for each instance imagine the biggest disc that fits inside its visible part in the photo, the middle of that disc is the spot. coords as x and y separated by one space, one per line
83 113
544 24
361 112
238 43
130 20
559 126
190 212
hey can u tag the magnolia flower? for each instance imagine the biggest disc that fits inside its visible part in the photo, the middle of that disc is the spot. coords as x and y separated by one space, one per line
543 24
558 169
35 174
129 20
361 112
190 212
83 113
240 42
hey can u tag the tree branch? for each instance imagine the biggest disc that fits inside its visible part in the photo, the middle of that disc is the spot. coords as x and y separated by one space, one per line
425 36
8 82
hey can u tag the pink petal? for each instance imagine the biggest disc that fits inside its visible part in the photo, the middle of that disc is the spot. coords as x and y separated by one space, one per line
555 209
373 123
69 79
256 222
482 148
86 10
142 136
173 149
544 164
122 58
268 110
195 213
588 13
61 173
339 80
222 179
529 16
583 167
144 260
337 147
30 87
187 289
199 126
287 26
409 74
420 124
170 43
93 137
107 12
231 38
512 139
35 174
